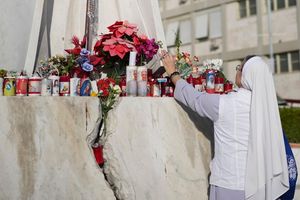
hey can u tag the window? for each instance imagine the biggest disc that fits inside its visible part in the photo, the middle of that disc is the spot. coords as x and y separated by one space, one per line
208 25
201 26
295 61
283 62
282 4
215 25
287 62
252 4
185 31
292 2
243 9
171 32
272 4
247 8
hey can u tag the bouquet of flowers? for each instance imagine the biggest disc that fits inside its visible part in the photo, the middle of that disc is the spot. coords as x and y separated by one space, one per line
108 93
214 64
185 63
112 49
60 65
84 61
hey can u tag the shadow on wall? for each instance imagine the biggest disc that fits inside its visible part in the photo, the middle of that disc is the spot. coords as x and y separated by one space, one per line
205 126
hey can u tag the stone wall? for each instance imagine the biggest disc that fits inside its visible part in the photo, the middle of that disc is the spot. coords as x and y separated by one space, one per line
44 151
157 151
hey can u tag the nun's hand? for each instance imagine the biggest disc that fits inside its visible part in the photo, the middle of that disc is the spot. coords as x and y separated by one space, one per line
169 62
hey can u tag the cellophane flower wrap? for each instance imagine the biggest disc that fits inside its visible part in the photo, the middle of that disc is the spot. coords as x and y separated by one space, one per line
185 63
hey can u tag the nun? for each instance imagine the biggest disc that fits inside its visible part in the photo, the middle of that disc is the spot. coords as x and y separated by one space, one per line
250 158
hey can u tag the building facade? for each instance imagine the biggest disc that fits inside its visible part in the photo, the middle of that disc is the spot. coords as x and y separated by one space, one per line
232 29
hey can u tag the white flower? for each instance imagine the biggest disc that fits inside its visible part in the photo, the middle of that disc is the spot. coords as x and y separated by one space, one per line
103 75
215 64
117 89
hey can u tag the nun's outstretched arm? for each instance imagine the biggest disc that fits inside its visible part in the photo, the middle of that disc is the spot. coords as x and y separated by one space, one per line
206 105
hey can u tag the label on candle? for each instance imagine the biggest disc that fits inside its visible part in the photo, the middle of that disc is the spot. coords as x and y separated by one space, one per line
142 73
131 73
55 85
210 80
74 87
34 86
219 87
21 86
85 87
131 83
64 88
9 86
46 87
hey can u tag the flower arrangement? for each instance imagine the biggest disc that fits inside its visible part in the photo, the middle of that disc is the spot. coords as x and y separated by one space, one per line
185 63
113 48
59 64
214 64
111 51
108 93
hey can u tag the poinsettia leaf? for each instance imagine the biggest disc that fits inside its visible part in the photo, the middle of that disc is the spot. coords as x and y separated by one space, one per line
75 41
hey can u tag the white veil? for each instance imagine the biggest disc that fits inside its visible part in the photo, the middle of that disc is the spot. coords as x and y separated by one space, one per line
266 172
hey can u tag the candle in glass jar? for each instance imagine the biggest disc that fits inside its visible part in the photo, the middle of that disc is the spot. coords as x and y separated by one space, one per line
219 85
197 84
55 84
131 76
228 87
210 81
21 85
46 88
34 85
64 86
142 81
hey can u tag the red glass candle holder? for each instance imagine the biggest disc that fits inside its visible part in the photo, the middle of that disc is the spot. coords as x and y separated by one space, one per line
228 87
219 85
98 153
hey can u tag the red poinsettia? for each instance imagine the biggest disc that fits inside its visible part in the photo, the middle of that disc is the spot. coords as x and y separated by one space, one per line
99 44
78 46
120 28
118 47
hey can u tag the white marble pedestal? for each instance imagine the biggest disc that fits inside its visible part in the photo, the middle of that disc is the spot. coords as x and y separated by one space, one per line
156 152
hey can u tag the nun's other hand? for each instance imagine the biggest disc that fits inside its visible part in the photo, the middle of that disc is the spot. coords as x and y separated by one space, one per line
169 63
